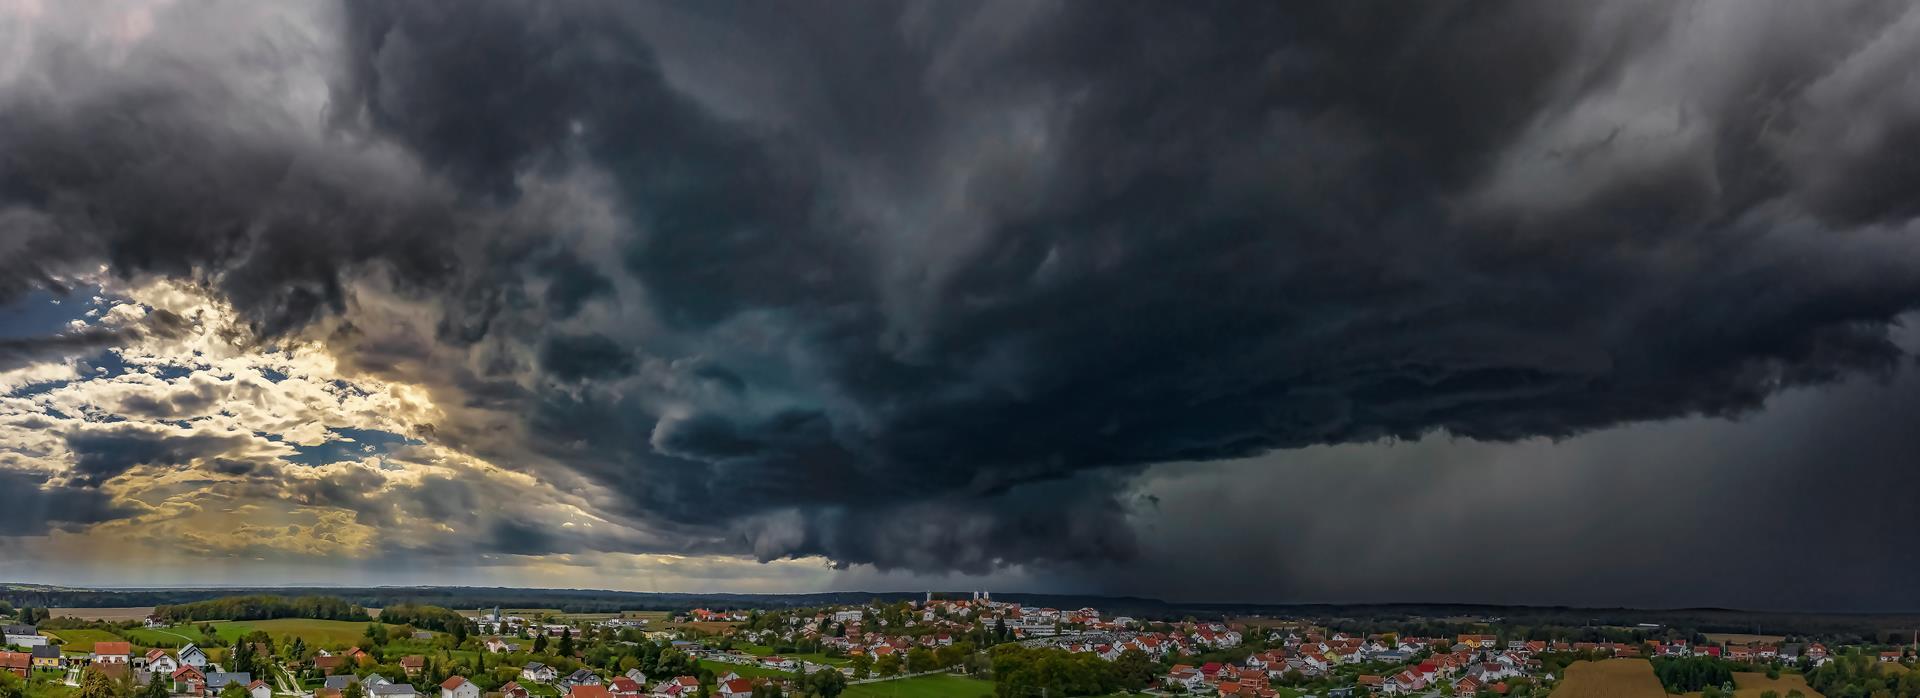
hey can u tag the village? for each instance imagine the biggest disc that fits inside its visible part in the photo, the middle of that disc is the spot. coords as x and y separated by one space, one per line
963 647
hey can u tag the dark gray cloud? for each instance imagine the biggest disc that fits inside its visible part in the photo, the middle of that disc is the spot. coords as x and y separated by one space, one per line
920 285
30 505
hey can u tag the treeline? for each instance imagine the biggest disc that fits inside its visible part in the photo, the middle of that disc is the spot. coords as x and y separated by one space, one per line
263 607
1048 671
445 620
1856 674
1689 674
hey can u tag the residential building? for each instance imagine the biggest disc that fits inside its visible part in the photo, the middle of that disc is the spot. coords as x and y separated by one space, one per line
112 652
458 687
23 636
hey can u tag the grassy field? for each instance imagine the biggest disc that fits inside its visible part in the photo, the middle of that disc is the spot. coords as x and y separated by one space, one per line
1744 639
935 686
166 637
1611 678
745 671
119 613
318 633
81 640
1752 684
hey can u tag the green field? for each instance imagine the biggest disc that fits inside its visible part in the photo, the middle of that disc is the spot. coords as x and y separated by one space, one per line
166 637
317 633
82 640
935 686
745 671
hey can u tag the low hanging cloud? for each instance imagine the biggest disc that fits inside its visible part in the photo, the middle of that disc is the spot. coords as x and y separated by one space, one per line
921 285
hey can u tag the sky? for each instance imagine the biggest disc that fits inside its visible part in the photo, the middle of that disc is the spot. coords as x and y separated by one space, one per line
1509 302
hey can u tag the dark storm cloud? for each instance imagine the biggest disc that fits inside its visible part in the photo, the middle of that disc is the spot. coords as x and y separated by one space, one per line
103 454
30 506
873 281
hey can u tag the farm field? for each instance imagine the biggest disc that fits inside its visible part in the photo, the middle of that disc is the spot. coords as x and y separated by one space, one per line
81 640
1752 684
1745 639
935 686
1611 678
109 614
745 671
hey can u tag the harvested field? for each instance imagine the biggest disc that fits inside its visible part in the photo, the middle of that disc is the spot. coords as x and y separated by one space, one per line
1744 639
1752 684
106 613
1611 678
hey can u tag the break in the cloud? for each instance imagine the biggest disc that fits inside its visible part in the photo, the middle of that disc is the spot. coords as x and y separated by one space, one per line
922 286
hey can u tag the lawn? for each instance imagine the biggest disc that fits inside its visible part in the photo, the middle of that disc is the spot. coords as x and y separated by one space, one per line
935 686
819 658
82 640
1611 678
745 671
1751 684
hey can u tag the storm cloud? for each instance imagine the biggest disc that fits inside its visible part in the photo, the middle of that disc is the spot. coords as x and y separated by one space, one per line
926 285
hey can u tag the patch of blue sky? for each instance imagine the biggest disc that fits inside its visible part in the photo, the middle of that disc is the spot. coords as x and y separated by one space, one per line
43 312
351 444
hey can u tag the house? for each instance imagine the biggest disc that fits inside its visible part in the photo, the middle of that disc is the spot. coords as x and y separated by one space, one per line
217 680
393 690
112 652
637 675
1893 656
583 677
458 687
626 686
412 664
327 664
588 690
538 673
737 688
20 663
155 622
340 683
189 680
47 657
499 646
513 689
259 689
374 680
191 655
677 687
23 636
159 662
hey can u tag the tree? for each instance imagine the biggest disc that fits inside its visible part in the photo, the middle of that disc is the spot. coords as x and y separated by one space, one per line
156 689
826 683
1134 669
920 659
12 686
566 642
862 666
887 665
353 690
234 690
540 644
96 685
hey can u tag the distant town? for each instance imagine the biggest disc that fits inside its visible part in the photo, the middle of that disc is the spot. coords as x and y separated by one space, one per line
965 645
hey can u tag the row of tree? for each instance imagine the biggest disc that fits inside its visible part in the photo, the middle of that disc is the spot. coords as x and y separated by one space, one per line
262 608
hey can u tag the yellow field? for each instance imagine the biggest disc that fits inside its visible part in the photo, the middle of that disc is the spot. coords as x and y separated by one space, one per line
1752 684
113 614
1744 639
1611 678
